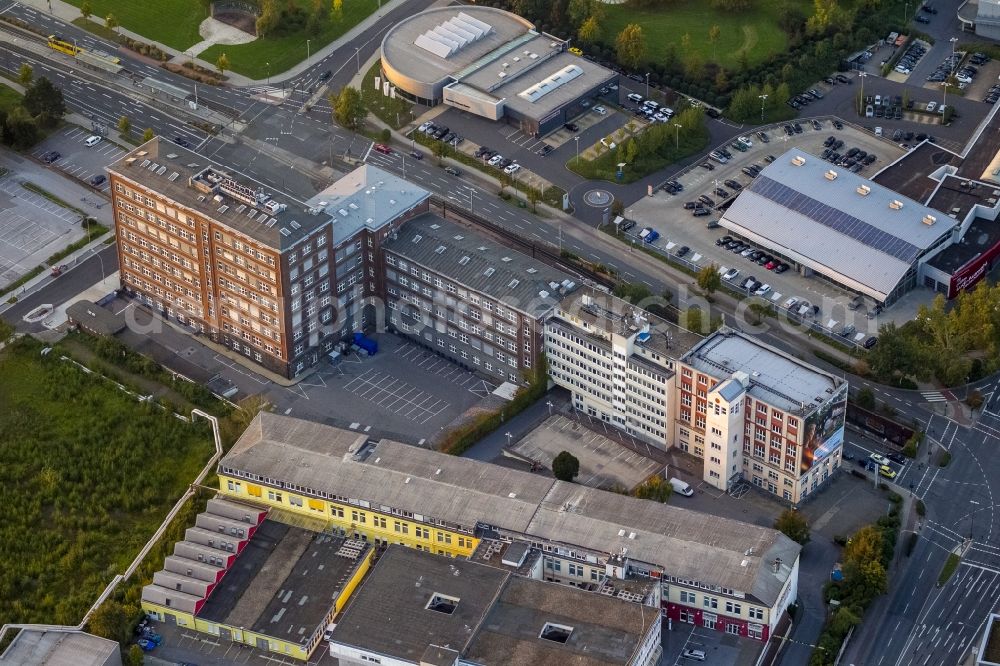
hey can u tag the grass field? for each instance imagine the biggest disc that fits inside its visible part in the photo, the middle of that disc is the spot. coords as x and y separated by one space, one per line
756 32
86 475
171 22
285 52
9 98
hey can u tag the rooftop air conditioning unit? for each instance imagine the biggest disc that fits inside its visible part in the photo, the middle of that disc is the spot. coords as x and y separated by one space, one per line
864 190
831 174
929 220
896 204
798 160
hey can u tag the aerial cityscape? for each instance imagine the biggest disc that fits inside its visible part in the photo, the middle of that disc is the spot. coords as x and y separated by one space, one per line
457 333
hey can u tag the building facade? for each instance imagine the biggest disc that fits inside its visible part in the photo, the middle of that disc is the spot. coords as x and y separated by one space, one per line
470 299
756 414
391 493
210 248
617 361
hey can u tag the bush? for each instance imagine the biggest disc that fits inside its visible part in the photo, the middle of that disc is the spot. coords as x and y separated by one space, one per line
385 135
921 508
944 458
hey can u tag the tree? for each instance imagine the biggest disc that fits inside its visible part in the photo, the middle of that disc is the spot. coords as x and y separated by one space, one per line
110 621
124 125
338 9
565 466
793 525
441 150
111 22
692 320
222 63
709 279
147 134
631 46
317 16
633 292
590 31
713 37
348 108
45 101
975 399
657 488
24 74
134 656
85 10
20 129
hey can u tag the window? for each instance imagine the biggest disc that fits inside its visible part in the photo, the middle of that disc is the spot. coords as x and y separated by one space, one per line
378 521
358 517
336 511
273 496
735 609
710 602
402 528
756 613
370 658
688 597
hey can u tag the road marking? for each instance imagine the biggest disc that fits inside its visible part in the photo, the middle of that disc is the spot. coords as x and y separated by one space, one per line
933 396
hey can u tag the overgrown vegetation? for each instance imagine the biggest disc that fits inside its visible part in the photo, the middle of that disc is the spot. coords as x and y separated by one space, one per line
954 343
458 440
86 474
866 558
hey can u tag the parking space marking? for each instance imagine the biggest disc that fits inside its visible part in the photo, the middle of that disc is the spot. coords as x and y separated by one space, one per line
397 396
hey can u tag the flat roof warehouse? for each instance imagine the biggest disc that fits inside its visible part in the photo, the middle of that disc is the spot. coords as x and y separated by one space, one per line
848 228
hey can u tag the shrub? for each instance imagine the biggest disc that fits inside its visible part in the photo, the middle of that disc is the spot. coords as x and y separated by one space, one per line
921 508
911 542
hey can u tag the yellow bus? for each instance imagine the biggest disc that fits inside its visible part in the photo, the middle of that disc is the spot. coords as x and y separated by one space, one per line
59 44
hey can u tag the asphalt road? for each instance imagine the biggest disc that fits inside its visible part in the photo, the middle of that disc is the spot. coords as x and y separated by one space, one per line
915 623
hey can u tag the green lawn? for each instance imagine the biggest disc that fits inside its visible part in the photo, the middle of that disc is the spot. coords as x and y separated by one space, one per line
757 32
9 98
287 51
171 22
86 476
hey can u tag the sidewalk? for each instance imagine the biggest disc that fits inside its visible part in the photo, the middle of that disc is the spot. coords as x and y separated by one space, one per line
67 12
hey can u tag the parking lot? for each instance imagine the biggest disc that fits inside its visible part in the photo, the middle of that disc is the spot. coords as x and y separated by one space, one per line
680 232
604 463
32 228
76 159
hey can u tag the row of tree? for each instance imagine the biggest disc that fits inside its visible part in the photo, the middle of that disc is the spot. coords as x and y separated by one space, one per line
278 18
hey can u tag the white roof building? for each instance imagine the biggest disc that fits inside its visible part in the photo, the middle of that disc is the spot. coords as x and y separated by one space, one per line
853 231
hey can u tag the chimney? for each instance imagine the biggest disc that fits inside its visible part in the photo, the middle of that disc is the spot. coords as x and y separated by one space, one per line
776 565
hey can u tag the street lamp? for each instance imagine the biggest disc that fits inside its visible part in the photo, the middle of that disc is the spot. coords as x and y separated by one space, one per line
677 136
577 139
307 49
357 57
951 73
268 65
906 12
862 76
647 85
762 98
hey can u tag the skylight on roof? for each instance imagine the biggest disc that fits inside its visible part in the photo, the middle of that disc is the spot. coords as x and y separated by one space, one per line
489 271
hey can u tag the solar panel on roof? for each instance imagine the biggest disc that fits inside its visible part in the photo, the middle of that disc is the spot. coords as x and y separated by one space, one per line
832 218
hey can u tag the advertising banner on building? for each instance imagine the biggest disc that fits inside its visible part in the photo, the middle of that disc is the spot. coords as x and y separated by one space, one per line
968 275
824 429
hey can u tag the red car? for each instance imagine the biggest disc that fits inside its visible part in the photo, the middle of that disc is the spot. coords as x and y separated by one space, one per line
771 265
382 148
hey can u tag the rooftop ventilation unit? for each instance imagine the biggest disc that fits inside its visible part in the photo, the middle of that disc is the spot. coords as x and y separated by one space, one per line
489 271
172 177
798 160
929 220
463 261
896 204
864 190
831 174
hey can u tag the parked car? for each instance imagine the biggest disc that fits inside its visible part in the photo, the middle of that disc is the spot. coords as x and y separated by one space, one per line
382 148
182 142
572 127
731 274
98 180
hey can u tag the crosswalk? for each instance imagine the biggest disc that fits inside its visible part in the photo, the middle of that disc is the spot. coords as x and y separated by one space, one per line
934 396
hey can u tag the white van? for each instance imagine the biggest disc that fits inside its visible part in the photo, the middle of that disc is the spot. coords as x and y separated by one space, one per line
681 487
92 141
635 97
